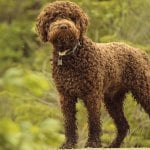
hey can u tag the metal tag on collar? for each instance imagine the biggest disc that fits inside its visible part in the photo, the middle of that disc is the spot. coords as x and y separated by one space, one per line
59 63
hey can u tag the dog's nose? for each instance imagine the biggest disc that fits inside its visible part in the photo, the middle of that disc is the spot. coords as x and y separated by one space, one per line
63 26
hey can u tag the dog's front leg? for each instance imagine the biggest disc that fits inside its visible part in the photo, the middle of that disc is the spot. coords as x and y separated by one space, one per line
93 104
68 107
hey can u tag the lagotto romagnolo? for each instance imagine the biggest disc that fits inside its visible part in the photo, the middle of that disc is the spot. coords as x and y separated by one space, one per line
93 72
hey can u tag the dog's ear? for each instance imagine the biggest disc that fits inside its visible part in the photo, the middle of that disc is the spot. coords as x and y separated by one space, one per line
41 26
83 22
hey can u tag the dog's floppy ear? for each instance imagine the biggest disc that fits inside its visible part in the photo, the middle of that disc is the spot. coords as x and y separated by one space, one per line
41 26
83 22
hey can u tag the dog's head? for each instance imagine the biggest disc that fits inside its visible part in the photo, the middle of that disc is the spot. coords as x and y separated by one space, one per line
61 23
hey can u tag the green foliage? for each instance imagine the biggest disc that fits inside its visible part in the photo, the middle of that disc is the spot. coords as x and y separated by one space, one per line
19 80
27 136
29 104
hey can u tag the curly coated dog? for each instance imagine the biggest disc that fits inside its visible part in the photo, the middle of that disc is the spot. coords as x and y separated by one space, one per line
93 72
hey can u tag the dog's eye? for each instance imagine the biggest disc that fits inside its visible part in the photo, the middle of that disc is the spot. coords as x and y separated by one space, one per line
73 19
56 13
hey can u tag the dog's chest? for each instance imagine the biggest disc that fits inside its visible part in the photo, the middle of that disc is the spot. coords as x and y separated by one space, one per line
74 77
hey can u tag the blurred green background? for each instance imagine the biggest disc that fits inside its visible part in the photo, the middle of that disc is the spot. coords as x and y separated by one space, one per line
30 117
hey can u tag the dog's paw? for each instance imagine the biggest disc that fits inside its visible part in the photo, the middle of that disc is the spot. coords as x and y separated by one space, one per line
114 145
93 144
68 145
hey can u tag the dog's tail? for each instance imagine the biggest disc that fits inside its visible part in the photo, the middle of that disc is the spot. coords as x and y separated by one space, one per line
141 92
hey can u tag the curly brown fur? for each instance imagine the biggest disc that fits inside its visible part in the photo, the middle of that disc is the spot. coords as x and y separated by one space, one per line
93 72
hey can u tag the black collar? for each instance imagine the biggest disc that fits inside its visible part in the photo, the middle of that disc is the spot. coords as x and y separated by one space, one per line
66 53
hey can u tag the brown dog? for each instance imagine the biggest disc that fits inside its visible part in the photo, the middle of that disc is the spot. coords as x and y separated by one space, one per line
92 72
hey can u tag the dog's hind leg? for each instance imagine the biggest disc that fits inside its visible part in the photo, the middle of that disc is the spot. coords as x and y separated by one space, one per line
114 105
